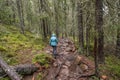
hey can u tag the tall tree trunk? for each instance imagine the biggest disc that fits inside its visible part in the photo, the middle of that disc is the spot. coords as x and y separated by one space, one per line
88 39
99 26
14 13
42 20
65 17
44 28
80 26
56 17
20 15
118 33
22 12
73 19
95 55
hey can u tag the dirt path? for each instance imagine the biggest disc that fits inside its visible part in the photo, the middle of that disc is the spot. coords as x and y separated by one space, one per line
69 65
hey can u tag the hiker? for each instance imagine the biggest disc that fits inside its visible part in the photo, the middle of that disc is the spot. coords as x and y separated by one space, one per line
53 43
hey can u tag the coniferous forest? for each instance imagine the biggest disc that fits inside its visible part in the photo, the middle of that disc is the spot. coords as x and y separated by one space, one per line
87 32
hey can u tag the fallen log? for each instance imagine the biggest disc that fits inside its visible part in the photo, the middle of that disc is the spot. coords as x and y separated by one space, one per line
23 69
10 72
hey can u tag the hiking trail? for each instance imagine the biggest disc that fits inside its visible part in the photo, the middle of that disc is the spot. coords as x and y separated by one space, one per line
68 65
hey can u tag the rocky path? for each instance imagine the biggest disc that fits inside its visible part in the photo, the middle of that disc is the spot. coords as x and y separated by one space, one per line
69 65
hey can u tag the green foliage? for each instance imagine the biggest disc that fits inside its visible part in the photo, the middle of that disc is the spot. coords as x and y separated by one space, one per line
43 59
113 64
39 76
6 78
12 61
5 12
91 47
112 67
2 48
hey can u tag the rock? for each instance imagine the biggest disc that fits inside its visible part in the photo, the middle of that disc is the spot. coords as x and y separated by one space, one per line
67 63
55 64
65 72
73 49
48 52
78 59
84 67
68 49
104 77
65 45
72 79
66 53
65 67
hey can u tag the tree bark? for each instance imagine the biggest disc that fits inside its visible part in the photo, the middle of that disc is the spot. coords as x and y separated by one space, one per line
56 18
10 72
88 27
118 43
20 13
99 26
80 26
118 33
23 69
95 56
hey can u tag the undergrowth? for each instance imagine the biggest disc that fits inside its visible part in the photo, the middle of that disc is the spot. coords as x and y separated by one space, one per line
43 59
111 67
12 41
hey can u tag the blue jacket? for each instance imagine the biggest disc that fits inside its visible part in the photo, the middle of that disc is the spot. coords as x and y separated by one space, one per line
53 40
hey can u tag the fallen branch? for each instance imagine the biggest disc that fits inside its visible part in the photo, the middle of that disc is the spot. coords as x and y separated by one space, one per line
10 72
23 69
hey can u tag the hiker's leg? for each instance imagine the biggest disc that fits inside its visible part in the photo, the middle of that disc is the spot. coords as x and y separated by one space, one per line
54 50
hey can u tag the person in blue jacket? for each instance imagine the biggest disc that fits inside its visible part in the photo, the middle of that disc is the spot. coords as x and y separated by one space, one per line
53 43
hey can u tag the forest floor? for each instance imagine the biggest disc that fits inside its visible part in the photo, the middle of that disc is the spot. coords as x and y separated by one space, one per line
68 65
16 48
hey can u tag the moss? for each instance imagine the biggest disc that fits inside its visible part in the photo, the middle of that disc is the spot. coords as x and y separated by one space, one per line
2 48
111 68
12 61
39 76
12 42
6 78
43 59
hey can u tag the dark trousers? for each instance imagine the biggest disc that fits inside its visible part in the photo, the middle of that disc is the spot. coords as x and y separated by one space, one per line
54 50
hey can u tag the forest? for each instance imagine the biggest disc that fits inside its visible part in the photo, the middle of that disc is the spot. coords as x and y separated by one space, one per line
87 36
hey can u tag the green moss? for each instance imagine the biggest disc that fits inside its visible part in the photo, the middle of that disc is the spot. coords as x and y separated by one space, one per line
111 68
43 59
39 76
6 78
12 61
12 42
2 48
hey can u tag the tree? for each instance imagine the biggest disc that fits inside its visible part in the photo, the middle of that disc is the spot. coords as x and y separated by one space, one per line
80 25
56 17
99 30
118 33
20 13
